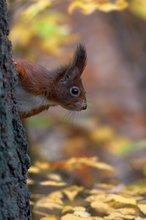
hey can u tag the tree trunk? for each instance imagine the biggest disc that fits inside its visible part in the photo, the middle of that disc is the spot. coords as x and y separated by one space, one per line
14 161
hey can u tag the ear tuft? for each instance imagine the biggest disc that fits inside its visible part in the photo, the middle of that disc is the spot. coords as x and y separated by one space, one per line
80 58
75 68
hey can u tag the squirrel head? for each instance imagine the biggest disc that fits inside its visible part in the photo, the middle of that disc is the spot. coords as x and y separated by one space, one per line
38 89
68 90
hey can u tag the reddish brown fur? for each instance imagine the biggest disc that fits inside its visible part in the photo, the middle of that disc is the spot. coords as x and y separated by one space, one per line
54 85
34 78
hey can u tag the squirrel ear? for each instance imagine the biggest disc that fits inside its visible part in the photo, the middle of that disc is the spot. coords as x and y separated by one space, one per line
80 58
71 74
59 73
75 69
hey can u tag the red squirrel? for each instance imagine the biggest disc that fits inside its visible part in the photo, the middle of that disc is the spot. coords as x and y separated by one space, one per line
38 88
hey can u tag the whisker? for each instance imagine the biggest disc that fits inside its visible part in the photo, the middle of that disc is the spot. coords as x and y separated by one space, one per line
75 116
68 116
71 115
65 117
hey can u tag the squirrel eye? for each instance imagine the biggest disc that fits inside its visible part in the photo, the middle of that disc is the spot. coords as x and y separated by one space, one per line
75 91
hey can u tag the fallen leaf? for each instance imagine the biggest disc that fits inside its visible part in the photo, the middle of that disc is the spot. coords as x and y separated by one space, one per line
121 199
127 211
88 7
54 176
72 192
53 201
42 165
36 7
101 207
80 213
119 216
34 169
142 208
73 217
51 217
52 183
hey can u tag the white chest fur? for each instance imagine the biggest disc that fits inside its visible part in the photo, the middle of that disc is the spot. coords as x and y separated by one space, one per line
27 102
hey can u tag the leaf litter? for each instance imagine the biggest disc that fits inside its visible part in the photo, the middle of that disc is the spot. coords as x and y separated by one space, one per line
67 201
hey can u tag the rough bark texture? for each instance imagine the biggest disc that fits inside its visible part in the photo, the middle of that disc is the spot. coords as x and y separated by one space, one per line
14 162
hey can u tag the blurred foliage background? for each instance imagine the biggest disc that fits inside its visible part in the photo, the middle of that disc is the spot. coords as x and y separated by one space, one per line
113 128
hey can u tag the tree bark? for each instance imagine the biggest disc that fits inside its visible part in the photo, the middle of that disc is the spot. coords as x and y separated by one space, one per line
14 161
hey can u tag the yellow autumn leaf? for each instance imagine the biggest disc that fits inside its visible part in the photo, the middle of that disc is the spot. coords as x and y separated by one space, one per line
53 201
121 199
85 8
139 218
137 189
36 7
67 208
122 4
46 203
106 186
88 7
88 161
72 192
40 213
51 217
127 211
52 183
34 169
109 6
79 208
42 165
101 196
54 176
74 217
101 207
56 196
75 209
103 166
81 213
118 216
142 208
